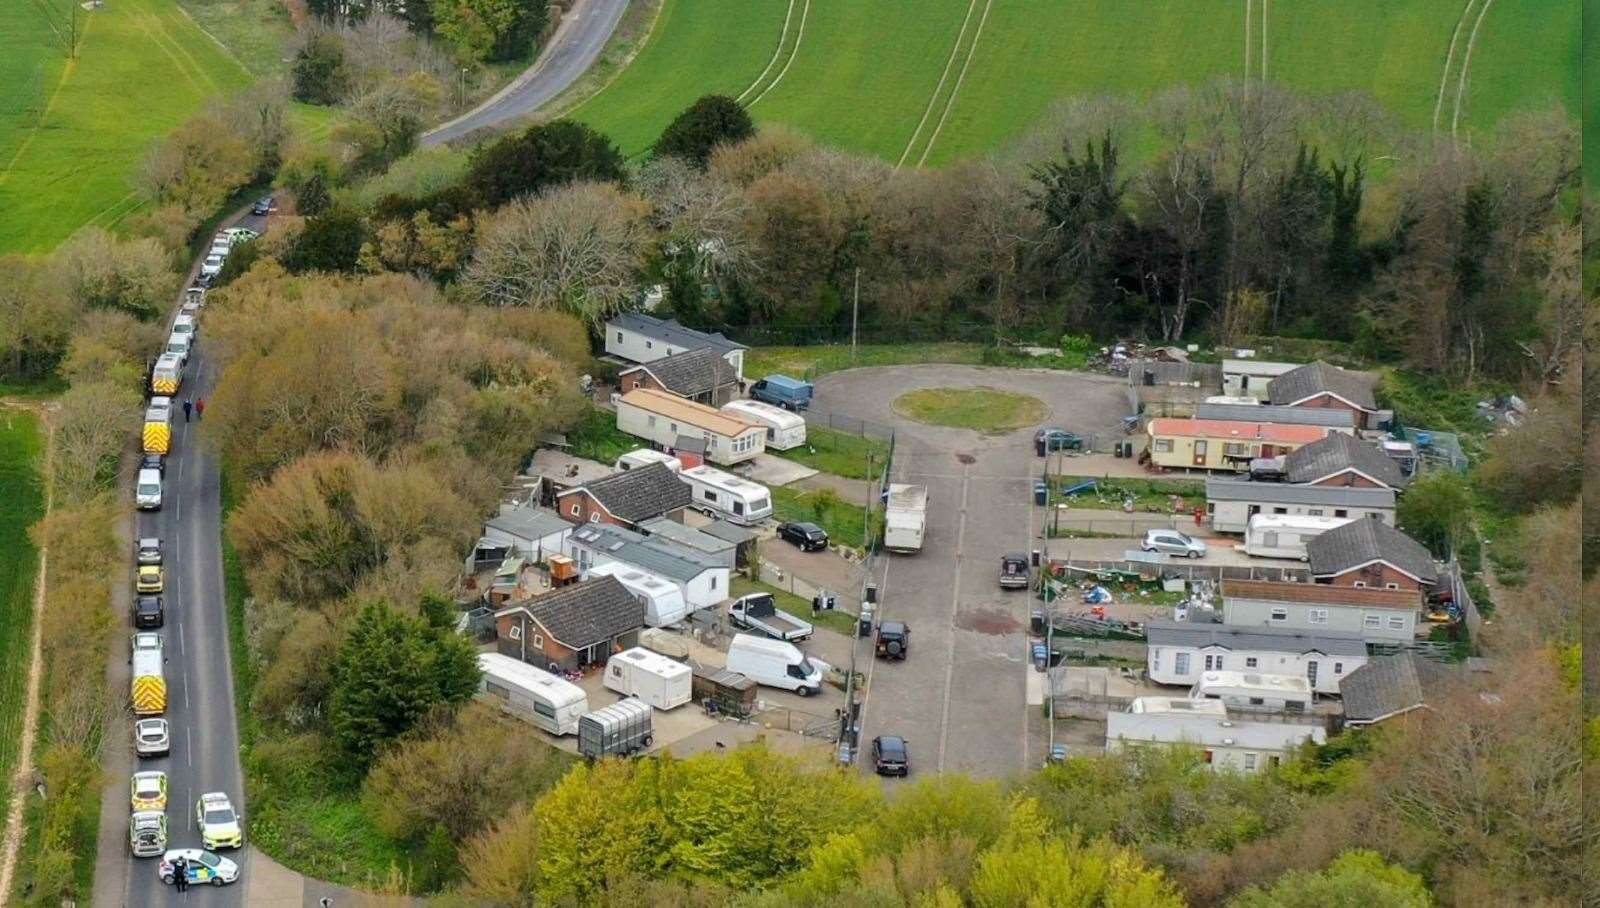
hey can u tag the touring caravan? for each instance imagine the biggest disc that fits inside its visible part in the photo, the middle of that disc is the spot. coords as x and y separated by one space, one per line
720 494
785 429
661 682
551 703
644 457
663 600
1255 691
1286 535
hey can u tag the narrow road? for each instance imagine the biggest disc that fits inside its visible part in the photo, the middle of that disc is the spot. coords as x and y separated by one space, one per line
577 43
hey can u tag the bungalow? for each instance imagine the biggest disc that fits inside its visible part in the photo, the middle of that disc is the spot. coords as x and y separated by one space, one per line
1171 389
625 499
1343 460
1230 503
527 532
1336 420
1321 385
1178 652
640 338
1225 743
1216 444
663 418
569 628
703 582
1370 554
702 376
1251 377
1377 615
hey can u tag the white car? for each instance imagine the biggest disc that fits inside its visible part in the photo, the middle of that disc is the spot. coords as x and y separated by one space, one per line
184 324
218 821
147 492
145 641
212 266
1172 542
152 738
204 867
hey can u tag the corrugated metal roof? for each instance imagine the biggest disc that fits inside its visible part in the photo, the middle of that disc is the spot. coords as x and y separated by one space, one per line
1255 639
1299 416
1290 493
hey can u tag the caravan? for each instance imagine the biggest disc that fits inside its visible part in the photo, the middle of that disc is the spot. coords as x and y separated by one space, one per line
549 702
1286 535
1255 691
661 682
716 493
663 600
785 430
644 457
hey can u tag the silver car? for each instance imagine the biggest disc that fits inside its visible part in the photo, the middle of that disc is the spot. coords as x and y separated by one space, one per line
152 738
1172 542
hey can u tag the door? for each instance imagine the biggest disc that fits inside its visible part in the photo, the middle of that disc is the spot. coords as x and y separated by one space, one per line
1311 674
1200 452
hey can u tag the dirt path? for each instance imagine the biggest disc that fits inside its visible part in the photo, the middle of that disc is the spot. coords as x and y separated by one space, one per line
30 715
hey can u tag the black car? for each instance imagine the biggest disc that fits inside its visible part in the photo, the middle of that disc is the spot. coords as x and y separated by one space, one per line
157 462
890 757
807 536
148 612
148 550
1054 439
262 207
894 639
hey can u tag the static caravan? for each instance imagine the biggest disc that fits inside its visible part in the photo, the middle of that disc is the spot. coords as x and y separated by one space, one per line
1255 691
785 430
720 494
551 703
1223 444
665 418
663 600
1231 503
661 682
1251 377
1285 536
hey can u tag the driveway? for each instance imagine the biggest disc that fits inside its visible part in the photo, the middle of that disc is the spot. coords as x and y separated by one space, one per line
960 699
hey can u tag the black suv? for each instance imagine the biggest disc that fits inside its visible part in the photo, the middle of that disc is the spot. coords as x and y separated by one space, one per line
894 639
155 462
148 612
807 536
890 756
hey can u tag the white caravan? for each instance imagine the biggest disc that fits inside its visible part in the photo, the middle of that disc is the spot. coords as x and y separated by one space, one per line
785 430
716 493
663 600
774 663
1255 691
644 457
1286 535
661 682
551 703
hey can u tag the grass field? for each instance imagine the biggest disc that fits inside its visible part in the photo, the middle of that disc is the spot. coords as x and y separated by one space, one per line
979 409
72 133
934 80
844 522
21 505
839 453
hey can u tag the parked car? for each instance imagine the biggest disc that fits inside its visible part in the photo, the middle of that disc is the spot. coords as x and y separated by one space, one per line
211 267
894 639
890 756
204 867
147 492
148 791
262 207
149 579
147 833
148 550
217 821
157 462
148 611
807 536
1172 542
1055 439
1014 572
237 235
152 738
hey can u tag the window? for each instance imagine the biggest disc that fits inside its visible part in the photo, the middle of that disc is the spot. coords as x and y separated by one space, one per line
1208 756
594 518
708 495
1250 661
1396 622
1280 614
1280 510
651 422
1214 663
1249 761
1360 584
1273 762
648 345
1180 664
1313 512
575 509
1155 659
738 507
1391 586
1162 446
1339 512
1258 701
1372 621
713 581
538 641
544 709
1235 449
619 337
516 632
1338 668
674 427
1318 616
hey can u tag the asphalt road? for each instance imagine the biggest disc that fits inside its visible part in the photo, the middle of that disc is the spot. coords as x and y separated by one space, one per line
960 698
205 739
583 33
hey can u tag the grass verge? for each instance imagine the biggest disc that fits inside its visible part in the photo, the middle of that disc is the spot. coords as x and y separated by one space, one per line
837 620
1150 496
839 453
986 410
844 522
21 505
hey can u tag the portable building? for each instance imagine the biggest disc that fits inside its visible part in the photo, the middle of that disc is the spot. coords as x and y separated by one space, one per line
549 702
1251 377
785 429
1178 651
664 418
619 730
1378 615
528 532
1221 444
720 494
663 600
1286 535
1225 743
661 682
1231 503
1255 691
713 548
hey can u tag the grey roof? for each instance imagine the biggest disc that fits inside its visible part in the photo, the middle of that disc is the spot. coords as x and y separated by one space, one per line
528 523
689 537
641 493
1336 452
656 555
586 613
722 529
1214 731
1289 493
1363 541
1255 639
1296 416
1209 375
1389 685
669 331
1319 377
690 373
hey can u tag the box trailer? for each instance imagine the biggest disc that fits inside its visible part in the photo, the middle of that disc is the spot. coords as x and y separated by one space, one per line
551 703
718 494
905 517
661 682
1286 535
619 730
785 429
664 603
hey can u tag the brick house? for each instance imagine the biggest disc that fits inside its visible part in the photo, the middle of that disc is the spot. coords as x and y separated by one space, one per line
627 498
1321 385
702 376
1370 553
1343 460
569 628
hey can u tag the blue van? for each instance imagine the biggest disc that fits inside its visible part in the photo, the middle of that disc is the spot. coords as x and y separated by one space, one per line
782 391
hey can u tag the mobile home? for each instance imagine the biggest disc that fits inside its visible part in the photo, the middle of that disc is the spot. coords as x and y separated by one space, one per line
1251 377
665 418
661 682
551 703
785 430
1286 535
1230 503
720 494
1255 691
663 600
1223 444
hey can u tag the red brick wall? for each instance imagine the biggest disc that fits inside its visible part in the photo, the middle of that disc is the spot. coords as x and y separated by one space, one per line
588 510
1376 576
1329 402
539 656
1349 479
639 379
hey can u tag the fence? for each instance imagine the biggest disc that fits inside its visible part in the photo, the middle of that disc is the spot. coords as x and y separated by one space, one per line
774 575
783 718
1121 525
1191 571
850 425
1463 598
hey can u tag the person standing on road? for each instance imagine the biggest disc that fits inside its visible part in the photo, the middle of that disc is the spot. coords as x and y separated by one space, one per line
186 407
180 873
200 409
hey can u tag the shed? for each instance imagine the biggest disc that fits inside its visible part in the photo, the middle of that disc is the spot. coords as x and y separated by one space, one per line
1171 389
743 538
531 532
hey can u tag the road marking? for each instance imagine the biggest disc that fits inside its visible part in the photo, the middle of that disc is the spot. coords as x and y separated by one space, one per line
188 746
955 603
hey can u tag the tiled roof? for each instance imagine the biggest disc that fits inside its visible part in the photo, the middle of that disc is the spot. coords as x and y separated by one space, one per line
1236 429
669 331
1254 639
1388 686
641 493
586 613
690 373
1320 594
1289 493
1362 542
1318 378
687 412
1339 452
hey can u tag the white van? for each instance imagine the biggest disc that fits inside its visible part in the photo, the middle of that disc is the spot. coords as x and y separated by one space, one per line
185 325
167 375
774 663
785 430
661 682
1255 691
1286 535
719 494
663 600
147 492
179 346
644 457
551 703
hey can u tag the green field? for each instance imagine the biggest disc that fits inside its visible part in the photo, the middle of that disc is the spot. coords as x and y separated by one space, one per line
72 133
941 79
21 505
984 410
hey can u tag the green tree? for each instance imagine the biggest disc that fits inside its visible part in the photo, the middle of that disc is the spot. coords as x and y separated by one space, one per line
1047 873
331 241
490 30
320 73
390 672
1356 879
312 198
1437 511
709 122
542 156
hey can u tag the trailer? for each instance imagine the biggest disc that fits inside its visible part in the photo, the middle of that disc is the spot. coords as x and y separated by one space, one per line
1286 535
551 703
785 429
619 730
661 682
759 612
905 517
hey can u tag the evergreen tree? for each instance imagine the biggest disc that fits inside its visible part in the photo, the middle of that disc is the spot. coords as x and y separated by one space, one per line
542 156
711 121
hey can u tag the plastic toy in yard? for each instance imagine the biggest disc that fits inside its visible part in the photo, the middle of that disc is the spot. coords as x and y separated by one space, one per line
1096 595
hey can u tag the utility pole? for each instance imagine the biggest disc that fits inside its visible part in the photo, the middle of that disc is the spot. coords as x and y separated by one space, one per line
855 316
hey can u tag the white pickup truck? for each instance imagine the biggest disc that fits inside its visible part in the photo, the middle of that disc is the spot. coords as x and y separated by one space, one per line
905 517
757 612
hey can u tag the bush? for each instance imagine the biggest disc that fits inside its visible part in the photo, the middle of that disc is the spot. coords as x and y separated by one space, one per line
320 74
712 121
489 31
540 157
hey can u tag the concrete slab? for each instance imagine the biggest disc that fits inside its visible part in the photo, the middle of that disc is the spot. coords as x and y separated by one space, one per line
567 469
771 470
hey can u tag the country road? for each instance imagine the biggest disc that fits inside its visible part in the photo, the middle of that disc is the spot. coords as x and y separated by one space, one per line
577 43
